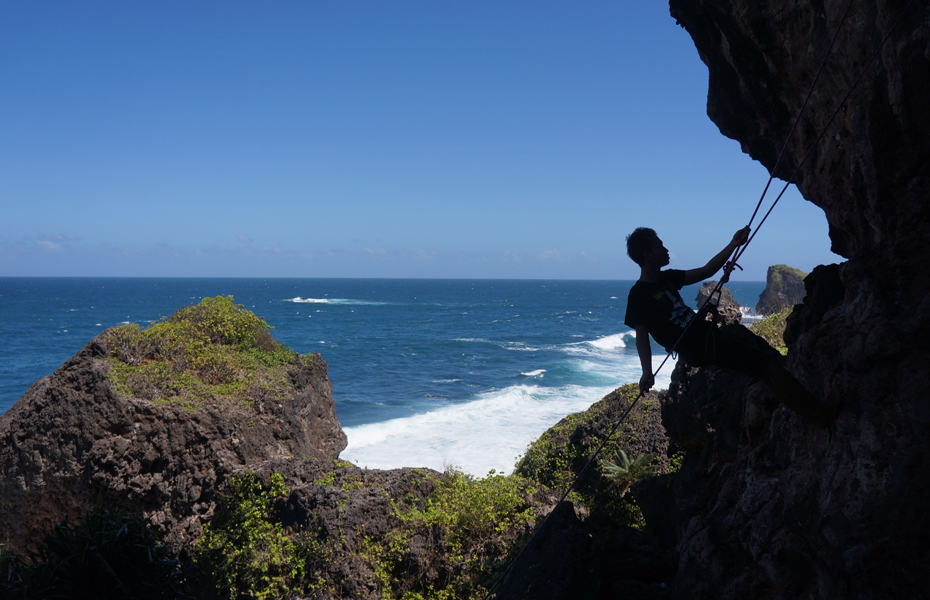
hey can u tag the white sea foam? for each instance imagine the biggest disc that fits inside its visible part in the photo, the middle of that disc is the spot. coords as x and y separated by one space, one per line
488 432
477 436
335 301
605 347
749 315
610 342
536 373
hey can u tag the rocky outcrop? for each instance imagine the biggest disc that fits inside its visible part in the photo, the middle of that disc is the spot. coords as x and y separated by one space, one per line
71 441
586 551
771 507
765 505
727 310
784 287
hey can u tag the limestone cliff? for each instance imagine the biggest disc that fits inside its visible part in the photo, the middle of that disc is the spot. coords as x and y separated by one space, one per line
71 440
771 507
784 287
766 506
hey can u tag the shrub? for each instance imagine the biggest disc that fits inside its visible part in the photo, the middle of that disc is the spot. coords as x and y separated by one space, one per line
470 508
478 522
244 548
772 329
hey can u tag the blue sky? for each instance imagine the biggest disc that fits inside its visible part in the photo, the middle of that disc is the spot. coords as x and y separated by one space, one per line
367 139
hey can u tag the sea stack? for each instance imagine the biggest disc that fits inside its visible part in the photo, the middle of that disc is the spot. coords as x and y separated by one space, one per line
784 287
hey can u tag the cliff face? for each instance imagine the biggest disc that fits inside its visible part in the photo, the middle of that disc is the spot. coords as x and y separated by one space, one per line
784 287
71 441
768 506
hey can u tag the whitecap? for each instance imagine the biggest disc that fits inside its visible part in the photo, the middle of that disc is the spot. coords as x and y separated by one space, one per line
536 373
335 301
609 342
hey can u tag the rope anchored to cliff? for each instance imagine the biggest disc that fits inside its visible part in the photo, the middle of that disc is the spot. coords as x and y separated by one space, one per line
732 263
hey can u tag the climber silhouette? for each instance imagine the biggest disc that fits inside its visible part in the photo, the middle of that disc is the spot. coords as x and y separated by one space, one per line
655 307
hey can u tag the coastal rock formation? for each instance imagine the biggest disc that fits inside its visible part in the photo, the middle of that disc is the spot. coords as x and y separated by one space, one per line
784 287
728 309
772 507
71 441
765 505
586 552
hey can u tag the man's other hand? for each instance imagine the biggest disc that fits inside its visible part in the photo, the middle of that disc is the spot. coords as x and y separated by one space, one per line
646 382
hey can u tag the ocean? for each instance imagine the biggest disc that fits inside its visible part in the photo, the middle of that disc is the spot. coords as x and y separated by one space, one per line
425 372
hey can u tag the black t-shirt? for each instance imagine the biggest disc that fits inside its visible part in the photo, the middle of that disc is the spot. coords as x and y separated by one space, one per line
660 308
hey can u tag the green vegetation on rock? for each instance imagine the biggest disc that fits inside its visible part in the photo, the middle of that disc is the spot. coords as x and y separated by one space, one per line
776 273
479 521
559 455
471 526
204 352
624 471
244 548
772 329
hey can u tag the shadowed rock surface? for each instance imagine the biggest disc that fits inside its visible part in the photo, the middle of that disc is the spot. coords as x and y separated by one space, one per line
784 287
766 506
772 507
71 441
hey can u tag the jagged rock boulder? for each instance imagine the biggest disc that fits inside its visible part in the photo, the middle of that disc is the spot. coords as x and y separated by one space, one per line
782 509
784 287
71 441
728 309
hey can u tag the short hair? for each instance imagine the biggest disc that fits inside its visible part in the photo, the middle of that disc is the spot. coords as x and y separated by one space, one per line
639 242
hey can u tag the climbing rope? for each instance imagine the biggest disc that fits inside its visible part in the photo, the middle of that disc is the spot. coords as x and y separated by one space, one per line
731 264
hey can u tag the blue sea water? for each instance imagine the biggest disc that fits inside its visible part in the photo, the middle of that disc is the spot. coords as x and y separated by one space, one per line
425 372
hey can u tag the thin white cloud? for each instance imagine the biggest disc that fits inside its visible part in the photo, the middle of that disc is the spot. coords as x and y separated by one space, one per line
49 246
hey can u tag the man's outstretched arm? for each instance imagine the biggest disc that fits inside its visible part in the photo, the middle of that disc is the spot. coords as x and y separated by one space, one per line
716 263
645 358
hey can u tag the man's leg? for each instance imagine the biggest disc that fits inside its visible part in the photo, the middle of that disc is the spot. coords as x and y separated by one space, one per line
795 396
726 351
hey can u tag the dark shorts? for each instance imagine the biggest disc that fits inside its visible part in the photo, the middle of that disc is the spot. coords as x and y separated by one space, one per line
707 346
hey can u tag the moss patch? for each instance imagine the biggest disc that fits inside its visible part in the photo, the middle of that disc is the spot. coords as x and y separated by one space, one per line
205 352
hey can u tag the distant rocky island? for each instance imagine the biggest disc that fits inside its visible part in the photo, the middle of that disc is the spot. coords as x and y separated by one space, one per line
784 287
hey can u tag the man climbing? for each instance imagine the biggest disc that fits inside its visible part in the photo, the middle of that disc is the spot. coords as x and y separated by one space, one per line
655 307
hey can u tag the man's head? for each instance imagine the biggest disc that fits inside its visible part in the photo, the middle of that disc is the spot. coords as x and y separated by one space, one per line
644 244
